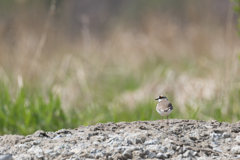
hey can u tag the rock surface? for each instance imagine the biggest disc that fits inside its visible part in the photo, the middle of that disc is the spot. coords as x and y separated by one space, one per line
181 139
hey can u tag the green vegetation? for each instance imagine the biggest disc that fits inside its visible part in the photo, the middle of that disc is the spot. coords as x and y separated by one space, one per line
94 70
27 112
236 8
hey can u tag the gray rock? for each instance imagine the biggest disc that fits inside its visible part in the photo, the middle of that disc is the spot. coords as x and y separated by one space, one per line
194 153
238 139
96 143
187 154
56 148
138 141
23 157
179 156
162 155
54 154
153 147
163 149
228 140
127 153
35 150
152 155
58 136
226 135
23 146
217 150
86 155
68 154
151 142
156 141
129 142
235 150
47 151
39 156
35 143
180 151
215 136
99 155
6 157
208 127
139 153
177 148
170 153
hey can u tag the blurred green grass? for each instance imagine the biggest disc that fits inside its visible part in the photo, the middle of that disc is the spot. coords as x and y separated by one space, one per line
89 79
28 110
116 96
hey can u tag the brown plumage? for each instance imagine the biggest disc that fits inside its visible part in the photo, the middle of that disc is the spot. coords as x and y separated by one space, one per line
164 107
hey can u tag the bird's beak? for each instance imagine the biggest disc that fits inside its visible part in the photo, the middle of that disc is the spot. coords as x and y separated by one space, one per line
157 99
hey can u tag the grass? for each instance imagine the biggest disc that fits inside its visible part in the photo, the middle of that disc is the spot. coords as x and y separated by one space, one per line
24 110
27 112
116 77
118 96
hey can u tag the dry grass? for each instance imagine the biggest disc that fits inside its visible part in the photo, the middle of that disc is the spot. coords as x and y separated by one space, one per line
195 65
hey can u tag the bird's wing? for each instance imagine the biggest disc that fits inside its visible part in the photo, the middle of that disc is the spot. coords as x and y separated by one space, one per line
164 105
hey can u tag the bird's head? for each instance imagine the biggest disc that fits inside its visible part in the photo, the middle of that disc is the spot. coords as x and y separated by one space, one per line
161 98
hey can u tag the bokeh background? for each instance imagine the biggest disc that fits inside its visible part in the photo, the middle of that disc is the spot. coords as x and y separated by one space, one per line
65 63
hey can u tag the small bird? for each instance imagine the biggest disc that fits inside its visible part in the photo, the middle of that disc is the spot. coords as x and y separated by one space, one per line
164 107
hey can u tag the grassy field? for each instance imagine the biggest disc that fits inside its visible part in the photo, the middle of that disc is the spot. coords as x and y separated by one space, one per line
117 78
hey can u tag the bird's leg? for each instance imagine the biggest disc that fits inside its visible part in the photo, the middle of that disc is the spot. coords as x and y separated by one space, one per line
162 119
167 120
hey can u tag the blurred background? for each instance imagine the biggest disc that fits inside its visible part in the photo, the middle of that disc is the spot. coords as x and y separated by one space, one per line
65 63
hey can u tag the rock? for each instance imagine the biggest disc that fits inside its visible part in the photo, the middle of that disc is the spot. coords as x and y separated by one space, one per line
138 153
99 155
215 136
127 153
86 155
151 142
219 131
35 143
208 127
228 140
138 141
35 150
153 147
68 154
238 139
47 151
95 143
23 146
162 156
235 150
226 135
163 149
170 153
152 155
58 136
194 153
129 140
39 156
217 150
77 150
179 156
54 154
187 154
6 157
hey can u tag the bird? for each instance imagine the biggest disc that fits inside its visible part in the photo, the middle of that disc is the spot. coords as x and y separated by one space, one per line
164 107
